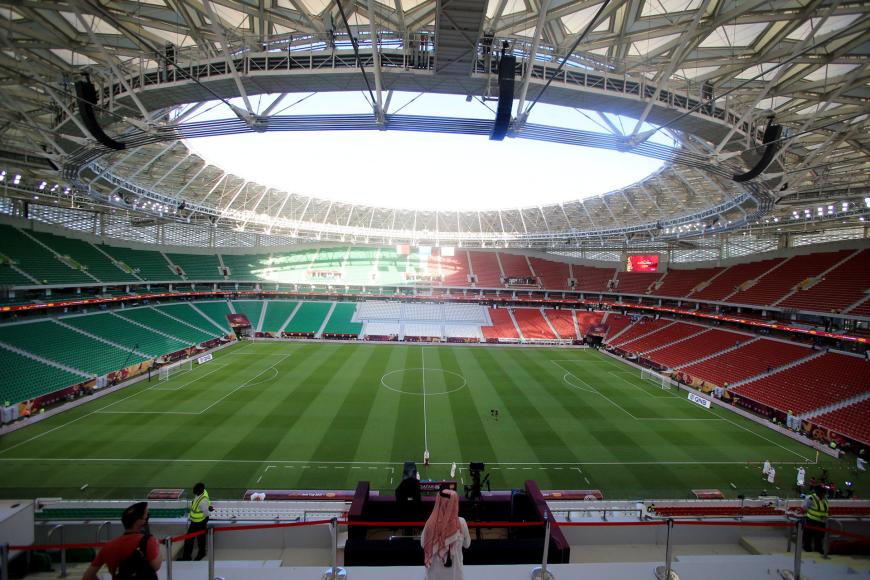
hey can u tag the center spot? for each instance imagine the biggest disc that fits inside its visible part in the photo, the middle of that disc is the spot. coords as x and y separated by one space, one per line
419 381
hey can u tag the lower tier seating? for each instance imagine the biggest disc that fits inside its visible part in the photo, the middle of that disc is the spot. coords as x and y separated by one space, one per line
250 308
704 344
309 317
662 337
644 325
502 325
23 378
852 421
749 360
191 316
158 321
277 313
216 311
340 321
586 320
125 334
532 324
615 324
563 322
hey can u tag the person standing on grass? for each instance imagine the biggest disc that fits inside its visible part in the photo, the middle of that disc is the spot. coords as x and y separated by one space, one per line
200 509
113 553
765 469
444 537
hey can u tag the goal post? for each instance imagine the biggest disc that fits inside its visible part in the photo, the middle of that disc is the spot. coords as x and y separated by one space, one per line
654 377
169 371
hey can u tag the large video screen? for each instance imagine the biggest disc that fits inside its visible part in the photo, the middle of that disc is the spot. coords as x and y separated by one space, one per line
643 264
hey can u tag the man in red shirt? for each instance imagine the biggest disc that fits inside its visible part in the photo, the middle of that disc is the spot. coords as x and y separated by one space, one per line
116 551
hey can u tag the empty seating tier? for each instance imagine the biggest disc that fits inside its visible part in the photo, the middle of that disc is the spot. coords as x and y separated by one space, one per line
563 322
586 320
553 275
731 279
125 334
852 421
514 265
197 267
422 330
532 324
216 312
747 361
422 311
95 262
615 324
340 321
841 287
148 265
10 276
359 266
810 385
250 308
462 331
662 337
591 279
643 326
68 347
191 316
502 325
277 313
776 284
680 283
454 269
381 329
484 265
635 282
38 261
705 344
380 311
159 321
23 378
243 267
309 317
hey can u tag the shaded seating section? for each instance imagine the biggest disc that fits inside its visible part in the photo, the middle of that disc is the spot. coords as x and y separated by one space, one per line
592 279
680 283
95 262
841 287
747 361
37 260
532 324
217 312
198 266
635 282
23 378
246 267
309 317
422 330
454 269
359 266
662 337
781 281
852 421
563 322
250 308
730 280
10 276
705 344
615 324
148 265
125 334
73 349
553 275
484 265
586 320
810 385
340 321
862 309
277 313
514 265
158 321
644 325
502 325
462 331
188 314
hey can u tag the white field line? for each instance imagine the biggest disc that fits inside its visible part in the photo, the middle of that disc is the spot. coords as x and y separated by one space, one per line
425 421
215 369
389 464
630 384
596 391
246 383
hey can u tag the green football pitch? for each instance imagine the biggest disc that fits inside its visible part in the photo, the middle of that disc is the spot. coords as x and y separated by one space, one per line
271 415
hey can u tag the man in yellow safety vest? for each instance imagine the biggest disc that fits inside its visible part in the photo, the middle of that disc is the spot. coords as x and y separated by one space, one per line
200 508
816 507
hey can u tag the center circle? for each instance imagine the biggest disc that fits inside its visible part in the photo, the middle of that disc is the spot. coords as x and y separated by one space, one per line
420 381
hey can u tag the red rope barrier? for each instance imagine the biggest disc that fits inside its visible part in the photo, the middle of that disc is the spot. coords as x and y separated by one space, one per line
57 546
740 524
838 532
421 524
591 524
186 536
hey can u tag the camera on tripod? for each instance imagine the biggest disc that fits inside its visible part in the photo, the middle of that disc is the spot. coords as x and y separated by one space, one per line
474 491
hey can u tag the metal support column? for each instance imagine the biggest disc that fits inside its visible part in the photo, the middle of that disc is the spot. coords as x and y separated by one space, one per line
798 548
541 572
4 561
334 572
167 542
211 554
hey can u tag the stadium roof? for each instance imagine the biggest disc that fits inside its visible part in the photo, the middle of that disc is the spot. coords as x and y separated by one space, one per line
706 73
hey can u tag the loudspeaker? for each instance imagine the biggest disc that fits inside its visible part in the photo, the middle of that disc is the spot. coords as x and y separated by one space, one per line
506 68
87 98
771 138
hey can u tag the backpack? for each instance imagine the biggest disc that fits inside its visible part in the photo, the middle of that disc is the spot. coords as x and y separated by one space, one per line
136 566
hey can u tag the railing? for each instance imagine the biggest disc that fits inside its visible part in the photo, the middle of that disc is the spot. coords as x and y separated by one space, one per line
539 572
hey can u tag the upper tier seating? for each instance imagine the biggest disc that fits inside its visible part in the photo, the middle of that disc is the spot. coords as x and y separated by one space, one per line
730 280
462 331
422 329
309 317
23 378
845 285
485 267
392 267
359 266
615 324
250 308
747 361
592 279
73 349
643 326
246 267
810 385
852 421
148 265
95 262
277 313
816 383
159 321
379 311
381 329
563 322
125 334
705 344
10 276
514 265
502 325
586 320
36 260
680 283
862 309
553 275
532 324
340 321
454 269
191 316
779 282
197 267
290 267
660 338
635 282
216 311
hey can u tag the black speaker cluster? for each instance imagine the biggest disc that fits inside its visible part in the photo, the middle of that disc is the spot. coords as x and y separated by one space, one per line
506 67
772 135
87 99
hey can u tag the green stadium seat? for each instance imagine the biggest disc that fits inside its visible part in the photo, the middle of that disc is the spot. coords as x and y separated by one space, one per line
95 262
125 334
250 308
198 266
340 323
36 260
216 311
162 321
277 312
309 317
23 378
148 265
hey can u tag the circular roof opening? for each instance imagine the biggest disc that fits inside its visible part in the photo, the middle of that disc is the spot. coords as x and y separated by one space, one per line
422 171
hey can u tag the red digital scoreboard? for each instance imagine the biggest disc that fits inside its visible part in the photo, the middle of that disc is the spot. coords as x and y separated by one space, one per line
642 264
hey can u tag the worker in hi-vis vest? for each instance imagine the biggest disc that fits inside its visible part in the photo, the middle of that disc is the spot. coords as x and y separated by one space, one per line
200 508
816 507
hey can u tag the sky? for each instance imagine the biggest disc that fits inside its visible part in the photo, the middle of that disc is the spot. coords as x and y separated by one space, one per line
422 170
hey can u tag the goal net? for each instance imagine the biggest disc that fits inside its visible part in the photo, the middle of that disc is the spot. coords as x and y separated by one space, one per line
660 380
167 372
